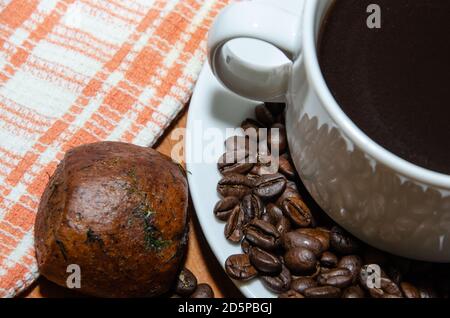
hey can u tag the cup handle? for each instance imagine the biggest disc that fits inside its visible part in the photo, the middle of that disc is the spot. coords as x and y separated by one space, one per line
259 21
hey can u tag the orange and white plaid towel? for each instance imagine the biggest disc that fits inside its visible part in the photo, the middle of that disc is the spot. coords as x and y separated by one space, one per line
79 71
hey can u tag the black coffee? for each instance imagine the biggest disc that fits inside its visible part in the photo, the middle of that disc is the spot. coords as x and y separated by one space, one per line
393 82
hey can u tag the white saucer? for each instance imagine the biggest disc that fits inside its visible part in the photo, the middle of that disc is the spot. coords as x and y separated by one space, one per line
214 107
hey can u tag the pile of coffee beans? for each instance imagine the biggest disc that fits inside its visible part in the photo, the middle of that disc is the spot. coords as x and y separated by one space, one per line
186 287
290 244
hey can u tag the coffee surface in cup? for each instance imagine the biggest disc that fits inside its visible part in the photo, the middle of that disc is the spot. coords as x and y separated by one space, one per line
393 81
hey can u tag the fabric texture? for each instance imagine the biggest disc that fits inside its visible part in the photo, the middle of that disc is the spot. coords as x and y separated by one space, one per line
80 71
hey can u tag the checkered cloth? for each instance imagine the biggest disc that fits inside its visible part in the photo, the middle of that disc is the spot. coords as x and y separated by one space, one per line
79 71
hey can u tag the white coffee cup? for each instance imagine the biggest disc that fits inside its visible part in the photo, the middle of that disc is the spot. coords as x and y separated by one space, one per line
381 198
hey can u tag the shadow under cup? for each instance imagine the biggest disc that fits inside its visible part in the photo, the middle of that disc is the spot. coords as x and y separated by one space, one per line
352 178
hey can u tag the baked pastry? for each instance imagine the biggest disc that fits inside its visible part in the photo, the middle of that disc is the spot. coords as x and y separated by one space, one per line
120 213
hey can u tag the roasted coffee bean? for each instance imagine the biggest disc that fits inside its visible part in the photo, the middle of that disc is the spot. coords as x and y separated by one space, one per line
261 169
270 186
237 161
277 138
264 116
409 290
235 185
323 292
273 214
237 143
427 292
251 124
234 227
328 260
290 191
297 211
321 234
353 292
186 283
203 291
300 260
239 267
286 168
338 277
292 186
253 207
262 234
301 284
342 242
245 246
276 108
280 283
283 225
264 262
295 239
225 207
291 294
386 289
353 263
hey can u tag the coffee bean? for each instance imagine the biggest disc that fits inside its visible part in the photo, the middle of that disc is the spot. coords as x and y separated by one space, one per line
295 239
321 234
342 242
261 169
409 290
290 191
353 292
262 234
280 283
274 214
338 277
291 294
323 292
278 139
234 227
297 211
329 260
386 289
250 124
264 116
237 161
253 207
264 262
270 186
300 260
224 208
235 185
276 108
203 291
237 143
292 186
239 267
245 246
301 284
353 263
186 283
427 292
286 168
283 225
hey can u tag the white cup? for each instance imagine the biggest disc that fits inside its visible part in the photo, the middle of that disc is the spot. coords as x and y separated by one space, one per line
381 198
